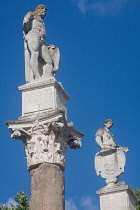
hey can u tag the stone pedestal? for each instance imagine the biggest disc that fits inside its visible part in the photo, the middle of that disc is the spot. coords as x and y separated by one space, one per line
47 188
117 197
43 96
46 134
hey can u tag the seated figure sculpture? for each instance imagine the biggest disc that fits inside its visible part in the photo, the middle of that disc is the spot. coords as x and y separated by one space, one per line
110 161
41 60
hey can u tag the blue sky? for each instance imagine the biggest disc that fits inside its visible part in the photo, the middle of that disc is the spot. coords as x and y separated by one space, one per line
99 42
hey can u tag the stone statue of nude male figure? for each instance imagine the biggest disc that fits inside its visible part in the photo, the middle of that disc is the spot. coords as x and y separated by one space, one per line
41 60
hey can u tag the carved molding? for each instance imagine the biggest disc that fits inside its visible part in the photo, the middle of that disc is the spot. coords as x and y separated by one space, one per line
46 140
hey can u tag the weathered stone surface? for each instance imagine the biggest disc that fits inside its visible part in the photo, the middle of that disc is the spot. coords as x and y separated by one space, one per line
110 161
47 188
44 95
43 126
41 60
117 197
46 138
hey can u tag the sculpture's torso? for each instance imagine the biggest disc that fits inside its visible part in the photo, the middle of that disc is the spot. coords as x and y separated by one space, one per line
108 139
37 30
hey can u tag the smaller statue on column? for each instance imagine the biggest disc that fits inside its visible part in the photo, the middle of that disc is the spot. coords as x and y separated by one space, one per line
41 60
110 161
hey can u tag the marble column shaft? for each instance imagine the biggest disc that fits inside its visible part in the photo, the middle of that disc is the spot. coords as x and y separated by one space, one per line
47 188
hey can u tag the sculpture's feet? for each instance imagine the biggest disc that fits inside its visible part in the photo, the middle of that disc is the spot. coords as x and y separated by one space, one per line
37 78
110 184
111 180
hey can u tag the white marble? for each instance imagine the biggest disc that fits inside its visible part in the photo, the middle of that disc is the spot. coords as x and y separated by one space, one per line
41 60
43 96
110 161
46 139
43 126
117 197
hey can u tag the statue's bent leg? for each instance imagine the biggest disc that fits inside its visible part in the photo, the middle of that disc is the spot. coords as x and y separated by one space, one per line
34 46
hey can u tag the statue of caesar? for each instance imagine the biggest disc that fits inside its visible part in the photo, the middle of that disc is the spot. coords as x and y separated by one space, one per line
111 160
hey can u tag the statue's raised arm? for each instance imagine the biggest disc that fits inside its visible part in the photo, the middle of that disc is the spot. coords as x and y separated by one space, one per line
27 22
41 60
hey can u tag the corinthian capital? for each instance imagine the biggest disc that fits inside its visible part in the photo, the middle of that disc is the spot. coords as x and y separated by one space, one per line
46 139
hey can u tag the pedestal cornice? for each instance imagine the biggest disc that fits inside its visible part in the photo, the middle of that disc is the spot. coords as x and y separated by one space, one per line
42 83
43 96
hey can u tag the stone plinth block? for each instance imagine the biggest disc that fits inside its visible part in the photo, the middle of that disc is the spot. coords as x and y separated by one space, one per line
117 197
43 96
47 188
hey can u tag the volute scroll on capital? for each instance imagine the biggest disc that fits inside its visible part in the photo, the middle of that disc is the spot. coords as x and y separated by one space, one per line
47 140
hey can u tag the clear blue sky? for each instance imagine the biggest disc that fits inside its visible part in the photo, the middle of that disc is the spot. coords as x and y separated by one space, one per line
100 69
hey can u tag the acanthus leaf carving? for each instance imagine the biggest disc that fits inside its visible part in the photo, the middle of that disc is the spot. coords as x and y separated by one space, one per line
47 140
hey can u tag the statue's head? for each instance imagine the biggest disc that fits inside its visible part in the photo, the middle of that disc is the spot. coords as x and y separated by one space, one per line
41 10
108 123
